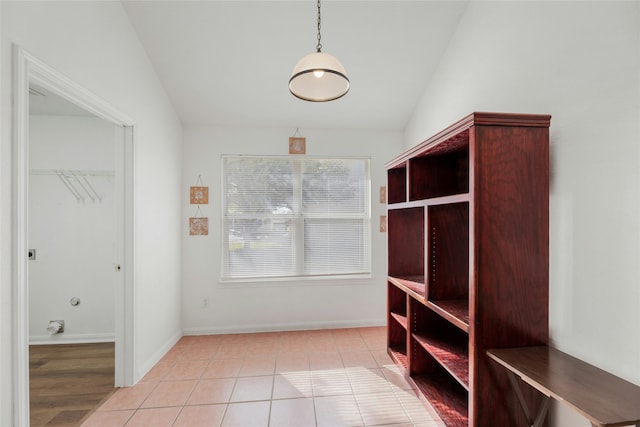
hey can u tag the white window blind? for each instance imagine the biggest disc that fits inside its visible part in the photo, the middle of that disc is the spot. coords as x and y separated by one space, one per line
295 217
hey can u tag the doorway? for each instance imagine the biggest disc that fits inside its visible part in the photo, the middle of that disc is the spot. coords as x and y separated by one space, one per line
71 229
31 73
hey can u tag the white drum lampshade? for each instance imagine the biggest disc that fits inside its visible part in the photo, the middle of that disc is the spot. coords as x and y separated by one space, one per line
319 77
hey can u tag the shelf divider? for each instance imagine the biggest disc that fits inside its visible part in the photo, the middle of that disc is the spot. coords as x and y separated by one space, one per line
455 311
413 285
402 320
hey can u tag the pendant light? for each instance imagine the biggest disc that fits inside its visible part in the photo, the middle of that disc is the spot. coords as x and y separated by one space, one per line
319 77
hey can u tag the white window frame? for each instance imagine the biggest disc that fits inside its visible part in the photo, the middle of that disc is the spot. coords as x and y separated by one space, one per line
299 245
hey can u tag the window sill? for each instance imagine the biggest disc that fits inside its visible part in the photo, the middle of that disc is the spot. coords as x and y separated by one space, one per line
300 281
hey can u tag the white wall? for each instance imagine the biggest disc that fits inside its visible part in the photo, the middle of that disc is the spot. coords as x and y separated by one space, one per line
5 275
74 240
94 45
579 62
276 305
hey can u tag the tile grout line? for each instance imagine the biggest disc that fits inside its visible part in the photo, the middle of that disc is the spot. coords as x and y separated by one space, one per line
329 342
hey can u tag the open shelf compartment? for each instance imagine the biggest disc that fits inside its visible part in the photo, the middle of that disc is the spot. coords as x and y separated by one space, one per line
448 260
439 174
397 301
406 243
446 397
440 389
445 343
397 184
397 323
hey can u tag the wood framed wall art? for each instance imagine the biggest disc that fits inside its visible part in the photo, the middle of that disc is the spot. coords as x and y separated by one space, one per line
297 145
199 195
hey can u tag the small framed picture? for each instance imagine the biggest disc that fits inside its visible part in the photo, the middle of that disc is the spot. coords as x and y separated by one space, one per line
297 145
199 195
383 223
199 226
383 194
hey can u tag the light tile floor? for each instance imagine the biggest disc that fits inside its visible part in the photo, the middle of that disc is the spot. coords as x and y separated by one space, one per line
323 378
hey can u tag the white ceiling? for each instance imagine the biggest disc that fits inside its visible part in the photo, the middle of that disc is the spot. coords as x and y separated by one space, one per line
229 62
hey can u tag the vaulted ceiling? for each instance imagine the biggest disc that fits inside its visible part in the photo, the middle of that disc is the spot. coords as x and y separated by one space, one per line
229 62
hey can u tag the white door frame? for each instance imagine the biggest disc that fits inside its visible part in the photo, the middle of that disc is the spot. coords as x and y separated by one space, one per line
28 69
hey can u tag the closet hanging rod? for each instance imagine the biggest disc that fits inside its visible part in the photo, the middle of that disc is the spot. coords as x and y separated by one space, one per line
76 181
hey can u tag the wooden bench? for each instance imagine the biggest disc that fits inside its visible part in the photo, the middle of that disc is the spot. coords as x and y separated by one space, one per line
602 398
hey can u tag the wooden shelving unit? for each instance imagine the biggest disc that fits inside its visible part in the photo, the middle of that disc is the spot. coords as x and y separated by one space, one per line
468 251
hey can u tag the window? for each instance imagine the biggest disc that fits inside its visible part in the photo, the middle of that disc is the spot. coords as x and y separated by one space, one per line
295 217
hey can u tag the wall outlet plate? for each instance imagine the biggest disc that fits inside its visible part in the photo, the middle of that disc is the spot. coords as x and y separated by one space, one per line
31 254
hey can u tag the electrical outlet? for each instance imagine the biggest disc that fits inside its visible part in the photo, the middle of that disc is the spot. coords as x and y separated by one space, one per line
205 302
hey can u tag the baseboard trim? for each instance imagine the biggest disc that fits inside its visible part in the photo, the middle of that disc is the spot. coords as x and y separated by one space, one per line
71 339
279 327
155 358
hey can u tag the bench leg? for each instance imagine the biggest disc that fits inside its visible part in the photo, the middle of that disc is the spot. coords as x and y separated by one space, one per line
542 412
542 409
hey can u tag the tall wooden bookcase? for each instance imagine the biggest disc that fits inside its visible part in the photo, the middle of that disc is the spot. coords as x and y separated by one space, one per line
468 244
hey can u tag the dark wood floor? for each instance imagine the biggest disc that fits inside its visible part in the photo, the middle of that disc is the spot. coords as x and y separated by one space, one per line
67 381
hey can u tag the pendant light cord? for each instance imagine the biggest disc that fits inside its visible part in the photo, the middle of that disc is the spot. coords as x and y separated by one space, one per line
319 45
